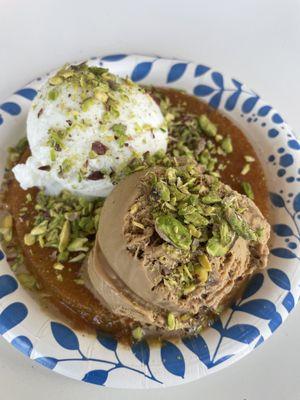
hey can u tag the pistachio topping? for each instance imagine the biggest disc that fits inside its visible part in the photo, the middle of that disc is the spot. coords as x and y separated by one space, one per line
137 333
66 223
247 188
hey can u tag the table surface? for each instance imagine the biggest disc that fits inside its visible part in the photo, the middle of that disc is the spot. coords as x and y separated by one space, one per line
256 41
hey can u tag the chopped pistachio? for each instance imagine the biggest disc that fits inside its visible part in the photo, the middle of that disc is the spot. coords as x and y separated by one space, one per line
79 281
27 280
53 95
77 258
240 226
166 227
87 104
58 266
249 159
78 245
6 222
202 274
163 191
215 248
247 188
226 145
207 126
189 289
29 239
204 262
134 208
171 321
55 80
137 333
40 229
64 237
138 225
246 168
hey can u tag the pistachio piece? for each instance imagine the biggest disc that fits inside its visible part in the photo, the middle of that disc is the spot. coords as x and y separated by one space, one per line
58 266
171 321
29 239
163 191
40 229
53 95
226 145
207 126
55 80
87 104
247 188
189 289
137 333
77 258
211 198
6 222
27 280
78 245
172 231
246 168
202 274
204 262
64 237
215 248
240 226
249 159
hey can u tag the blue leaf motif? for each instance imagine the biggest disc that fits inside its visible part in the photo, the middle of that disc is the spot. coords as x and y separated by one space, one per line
232 100
275 322
11 108
288 302
23 344
141 351
249 104
218 79
172 359
221 360
64 336
203 90
28 93
107 341
141 71
264 110
217 325
276 200
215 100
48 362
97 377
280 278
283 253
282 230
261 308
259 342
1 120
8 285
200 70
114 57
198 346
243 333
237 84
296 203
11 316
176 72
253 286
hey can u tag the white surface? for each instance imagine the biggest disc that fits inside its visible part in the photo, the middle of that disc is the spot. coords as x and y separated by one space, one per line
257 41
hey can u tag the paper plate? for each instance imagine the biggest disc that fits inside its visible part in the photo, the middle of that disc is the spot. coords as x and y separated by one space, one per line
269 298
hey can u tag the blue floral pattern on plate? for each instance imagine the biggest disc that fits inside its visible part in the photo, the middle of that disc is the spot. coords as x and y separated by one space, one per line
270 296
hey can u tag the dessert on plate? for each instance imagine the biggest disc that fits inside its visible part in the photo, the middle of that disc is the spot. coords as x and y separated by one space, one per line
140 211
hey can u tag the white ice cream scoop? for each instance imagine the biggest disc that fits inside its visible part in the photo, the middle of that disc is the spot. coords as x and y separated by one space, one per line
85 125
